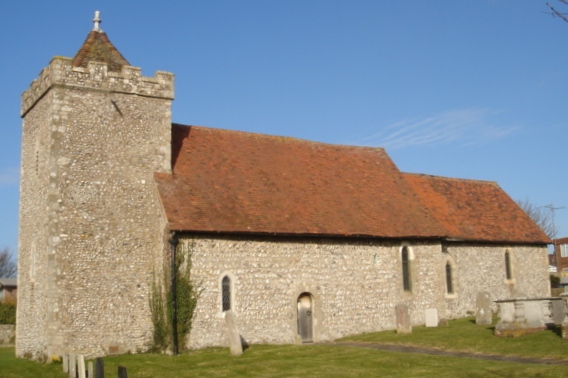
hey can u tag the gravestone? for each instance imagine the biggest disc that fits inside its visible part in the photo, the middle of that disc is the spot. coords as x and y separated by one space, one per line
431 317
483 315
402 319
65 363
564 325
557 314
233 332
72 366
81 366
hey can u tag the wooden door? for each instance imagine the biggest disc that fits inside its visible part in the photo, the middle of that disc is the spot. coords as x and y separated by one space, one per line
305 315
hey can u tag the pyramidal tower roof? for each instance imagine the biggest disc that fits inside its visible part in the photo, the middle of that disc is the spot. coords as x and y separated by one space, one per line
98 48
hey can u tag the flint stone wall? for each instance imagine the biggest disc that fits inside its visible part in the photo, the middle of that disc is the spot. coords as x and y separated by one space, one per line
355 285
482 268
91 224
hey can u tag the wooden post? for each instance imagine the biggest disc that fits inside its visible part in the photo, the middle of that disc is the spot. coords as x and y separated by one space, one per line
100 371
122 372
90 369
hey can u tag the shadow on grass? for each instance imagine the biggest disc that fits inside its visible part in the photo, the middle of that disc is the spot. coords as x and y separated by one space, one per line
557 330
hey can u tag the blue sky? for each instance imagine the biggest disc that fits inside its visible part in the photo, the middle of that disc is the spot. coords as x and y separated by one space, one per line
468 89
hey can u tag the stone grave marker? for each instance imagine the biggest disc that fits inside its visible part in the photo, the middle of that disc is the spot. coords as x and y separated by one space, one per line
483 315
72 366
402 319
234 336
81 366
431 317
558 314
65 363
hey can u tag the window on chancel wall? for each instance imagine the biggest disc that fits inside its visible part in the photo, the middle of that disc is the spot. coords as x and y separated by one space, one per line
226 293
508 273
449 278
405 269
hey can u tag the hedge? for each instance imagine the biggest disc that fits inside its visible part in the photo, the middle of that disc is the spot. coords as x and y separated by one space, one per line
8 313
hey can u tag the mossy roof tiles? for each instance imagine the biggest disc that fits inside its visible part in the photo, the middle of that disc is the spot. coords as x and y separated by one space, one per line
98 48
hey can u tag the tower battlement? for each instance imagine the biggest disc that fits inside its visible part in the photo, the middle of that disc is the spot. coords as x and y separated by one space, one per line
96 76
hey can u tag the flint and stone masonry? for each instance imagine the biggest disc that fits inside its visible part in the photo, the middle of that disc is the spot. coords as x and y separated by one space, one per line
91 225
354 286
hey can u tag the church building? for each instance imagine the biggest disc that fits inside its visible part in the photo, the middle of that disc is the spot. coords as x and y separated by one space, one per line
303 241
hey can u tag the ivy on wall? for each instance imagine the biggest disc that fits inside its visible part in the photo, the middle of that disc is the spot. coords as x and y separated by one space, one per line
186 300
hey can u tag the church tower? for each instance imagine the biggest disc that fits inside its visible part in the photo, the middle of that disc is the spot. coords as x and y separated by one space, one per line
91 226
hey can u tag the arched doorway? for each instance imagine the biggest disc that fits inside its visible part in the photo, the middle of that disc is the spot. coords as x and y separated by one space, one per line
305 315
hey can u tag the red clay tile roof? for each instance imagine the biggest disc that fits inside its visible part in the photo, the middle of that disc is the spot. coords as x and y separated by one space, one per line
475 210
236 182
98 48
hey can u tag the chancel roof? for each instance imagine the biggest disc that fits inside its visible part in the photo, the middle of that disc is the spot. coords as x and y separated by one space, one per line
475 210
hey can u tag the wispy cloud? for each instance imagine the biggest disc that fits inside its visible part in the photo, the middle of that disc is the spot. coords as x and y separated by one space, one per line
9 176
464 127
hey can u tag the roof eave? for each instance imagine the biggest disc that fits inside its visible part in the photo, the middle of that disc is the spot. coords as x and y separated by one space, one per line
306 234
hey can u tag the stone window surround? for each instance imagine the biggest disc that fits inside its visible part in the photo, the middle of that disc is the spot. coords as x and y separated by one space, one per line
450 261
232 280
508 270
411 258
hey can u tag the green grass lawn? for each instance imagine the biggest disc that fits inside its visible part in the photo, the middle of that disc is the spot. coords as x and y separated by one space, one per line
337 360
463 335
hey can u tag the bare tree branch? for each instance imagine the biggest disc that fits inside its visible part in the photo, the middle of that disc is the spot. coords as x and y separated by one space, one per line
8 265
557 13
541 216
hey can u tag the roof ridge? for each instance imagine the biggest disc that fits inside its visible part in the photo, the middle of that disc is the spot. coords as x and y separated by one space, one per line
451 178
279 137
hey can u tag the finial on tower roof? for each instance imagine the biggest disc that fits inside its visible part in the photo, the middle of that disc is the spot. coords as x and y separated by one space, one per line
97 20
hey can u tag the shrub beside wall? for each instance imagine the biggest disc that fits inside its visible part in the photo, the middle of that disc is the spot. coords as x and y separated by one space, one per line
8 313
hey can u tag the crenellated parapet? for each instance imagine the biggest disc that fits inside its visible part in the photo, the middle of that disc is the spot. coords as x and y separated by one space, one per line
97 76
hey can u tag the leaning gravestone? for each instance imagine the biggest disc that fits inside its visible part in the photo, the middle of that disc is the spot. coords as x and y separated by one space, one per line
234 336
402 319
483 314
